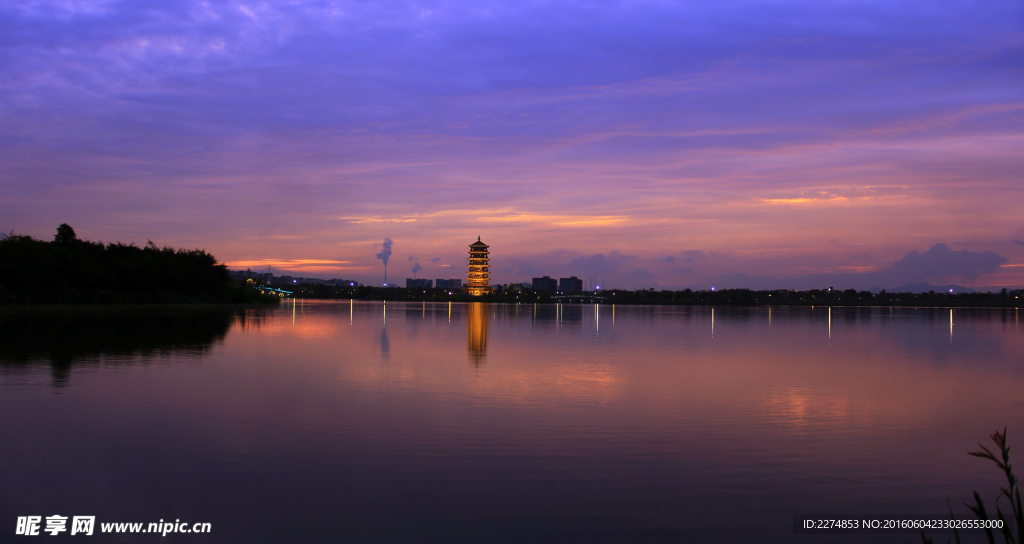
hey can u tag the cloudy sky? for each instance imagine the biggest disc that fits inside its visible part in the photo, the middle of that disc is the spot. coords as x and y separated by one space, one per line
737 143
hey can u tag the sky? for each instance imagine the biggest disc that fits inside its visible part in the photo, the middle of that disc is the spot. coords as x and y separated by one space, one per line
762 144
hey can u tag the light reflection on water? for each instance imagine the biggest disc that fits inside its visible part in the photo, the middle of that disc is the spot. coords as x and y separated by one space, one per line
328 421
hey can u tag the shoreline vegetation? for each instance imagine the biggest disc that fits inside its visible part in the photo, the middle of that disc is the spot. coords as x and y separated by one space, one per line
73 271
686 297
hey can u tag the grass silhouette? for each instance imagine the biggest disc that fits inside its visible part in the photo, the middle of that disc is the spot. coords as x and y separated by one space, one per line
1011 493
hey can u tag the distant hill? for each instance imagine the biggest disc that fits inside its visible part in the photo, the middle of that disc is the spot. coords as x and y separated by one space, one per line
72 271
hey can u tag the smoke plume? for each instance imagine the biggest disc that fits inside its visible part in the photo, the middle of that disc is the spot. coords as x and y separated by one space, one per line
416 268
385 253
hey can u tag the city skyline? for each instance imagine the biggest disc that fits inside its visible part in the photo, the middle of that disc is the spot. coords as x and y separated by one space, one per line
743 144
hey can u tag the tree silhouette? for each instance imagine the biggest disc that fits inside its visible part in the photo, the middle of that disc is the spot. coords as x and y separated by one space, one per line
65 234
70 270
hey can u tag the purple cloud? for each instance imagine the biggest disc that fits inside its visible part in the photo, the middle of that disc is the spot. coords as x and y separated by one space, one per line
939 263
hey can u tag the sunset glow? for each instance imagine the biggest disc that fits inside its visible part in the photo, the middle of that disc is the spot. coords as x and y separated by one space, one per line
737 144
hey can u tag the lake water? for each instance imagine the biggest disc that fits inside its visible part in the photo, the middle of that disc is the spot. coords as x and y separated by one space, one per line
388 422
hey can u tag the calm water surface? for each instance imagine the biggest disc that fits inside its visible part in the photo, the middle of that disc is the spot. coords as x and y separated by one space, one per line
373 422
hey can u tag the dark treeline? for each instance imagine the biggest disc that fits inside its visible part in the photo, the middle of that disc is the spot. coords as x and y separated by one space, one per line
72 271
724 297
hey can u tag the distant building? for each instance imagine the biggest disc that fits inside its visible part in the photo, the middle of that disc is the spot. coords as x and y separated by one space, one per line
411 283
570 284
246 274
547 283
343 282
442 283
479 276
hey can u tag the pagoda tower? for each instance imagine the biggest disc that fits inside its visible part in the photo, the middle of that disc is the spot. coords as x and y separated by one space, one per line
479 279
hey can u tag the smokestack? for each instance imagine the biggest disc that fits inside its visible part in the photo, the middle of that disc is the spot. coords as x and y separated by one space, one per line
384 255
416 268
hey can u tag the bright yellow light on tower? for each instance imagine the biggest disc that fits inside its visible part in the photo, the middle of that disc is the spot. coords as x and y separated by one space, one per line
478 280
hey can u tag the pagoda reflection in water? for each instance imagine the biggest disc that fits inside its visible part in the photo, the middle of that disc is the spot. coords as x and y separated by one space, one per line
476 331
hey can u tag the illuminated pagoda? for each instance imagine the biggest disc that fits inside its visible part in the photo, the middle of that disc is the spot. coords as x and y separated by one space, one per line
479 279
